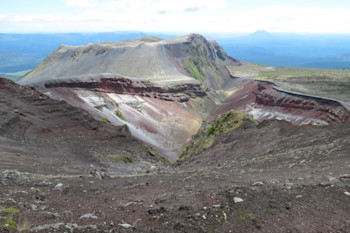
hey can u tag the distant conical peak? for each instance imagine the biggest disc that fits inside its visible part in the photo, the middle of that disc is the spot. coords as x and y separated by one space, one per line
261 34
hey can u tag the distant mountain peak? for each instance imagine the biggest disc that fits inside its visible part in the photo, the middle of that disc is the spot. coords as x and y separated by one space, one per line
261 34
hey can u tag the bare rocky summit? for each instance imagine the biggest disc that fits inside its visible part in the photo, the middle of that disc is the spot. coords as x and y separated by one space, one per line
174 60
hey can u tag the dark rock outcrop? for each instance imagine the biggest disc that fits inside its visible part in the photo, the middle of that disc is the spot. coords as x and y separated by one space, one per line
120 85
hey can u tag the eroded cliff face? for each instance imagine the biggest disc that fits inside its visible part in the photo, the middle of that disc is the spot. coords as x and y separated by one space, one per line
42 136
264 100
164 116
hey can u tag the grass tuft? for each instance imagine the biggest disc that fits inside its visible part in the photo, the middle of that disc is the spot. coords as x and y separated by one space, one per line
10 211
8 224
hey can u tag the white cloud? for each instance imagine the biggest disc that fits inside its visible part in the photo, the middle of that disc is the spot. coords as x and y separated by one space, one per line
284 19
154 6
81 3
180 16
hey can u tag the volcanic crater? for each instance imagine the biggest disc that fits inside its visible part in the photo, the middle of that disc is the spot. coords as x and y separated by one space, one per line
155 135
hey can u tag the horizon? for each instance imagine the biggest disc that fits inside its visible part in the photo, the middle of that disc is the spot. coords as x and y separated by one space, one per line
180 17
176 34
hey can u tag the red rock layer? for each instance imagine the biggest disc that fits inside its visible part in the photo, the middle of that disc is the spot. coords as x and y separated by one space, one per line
178 93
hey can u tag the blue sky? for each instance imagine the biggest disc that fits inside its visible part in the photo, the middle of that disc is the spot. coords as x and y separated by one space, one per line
175 16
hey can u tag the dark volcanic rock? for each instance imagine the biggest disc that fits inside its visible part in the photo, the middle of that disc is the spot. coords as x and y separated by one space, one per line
145 88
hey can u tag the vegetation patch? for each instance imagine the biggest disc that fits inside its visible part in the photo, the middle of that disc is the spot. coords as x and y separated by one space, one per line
122 158
8 224
284 73
211 130
195 68
153 153
9 211
100 107
119 114
105 120
221 126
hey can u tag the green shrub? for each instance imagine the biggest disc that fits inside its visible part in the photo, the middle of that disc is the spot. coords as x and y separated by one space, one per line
211 130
